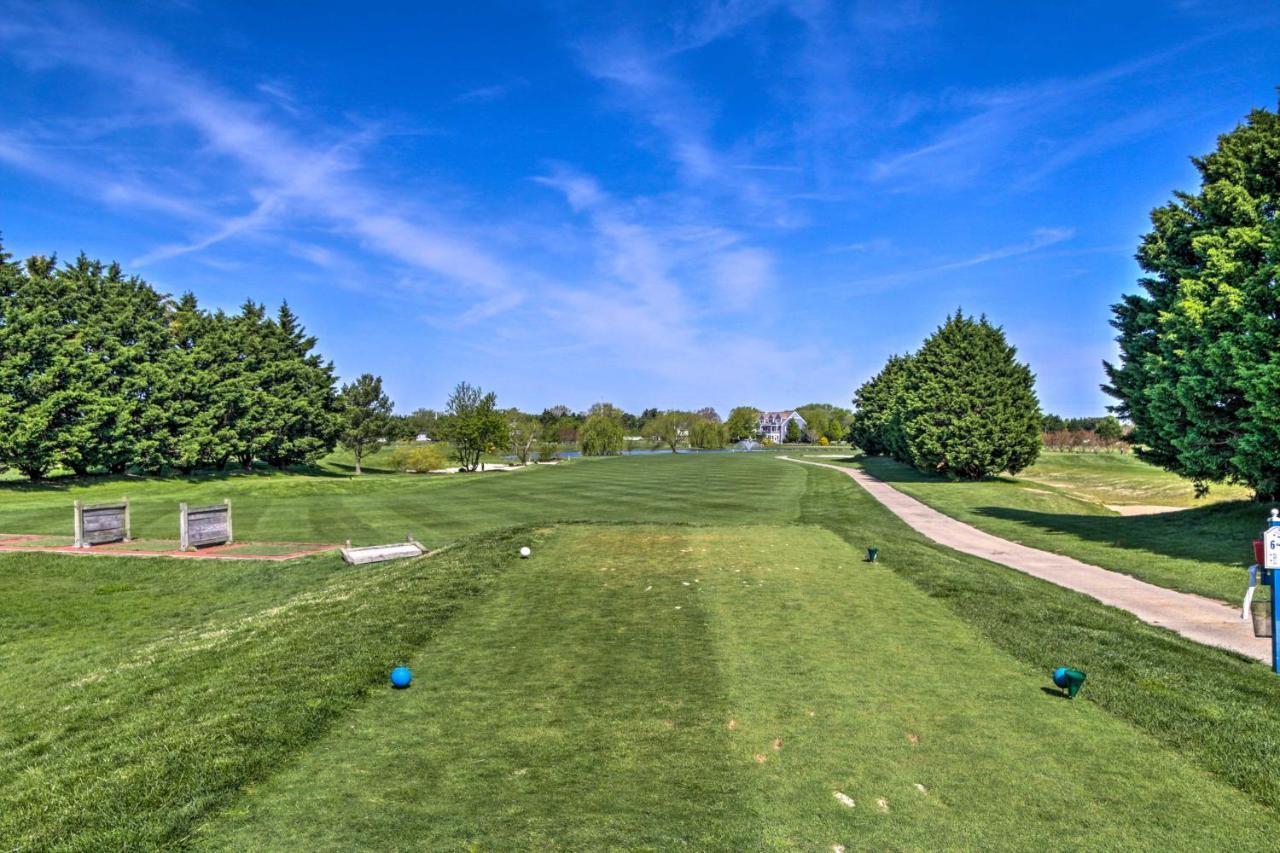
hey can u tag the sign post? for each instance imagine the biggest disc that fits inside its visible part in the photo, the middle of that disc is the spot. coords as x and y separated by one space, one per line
1270 564
1265 614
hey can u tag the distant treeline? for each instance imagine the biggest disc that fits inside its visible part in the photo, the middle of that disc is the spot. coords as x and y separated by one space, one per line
1085 434
99 372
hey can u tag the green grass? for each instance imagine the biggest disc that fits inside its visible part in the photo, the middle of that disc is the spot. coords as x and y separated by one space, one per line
620 689
139 695
1122 479
1203 551
144 700
1220 708
377 508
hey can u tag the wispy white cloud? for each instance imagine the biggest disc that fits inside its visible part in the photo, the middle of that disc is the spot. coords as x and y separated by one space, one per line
1041 238
113 188
487 94
742 276
657 283
876 244
998 126
294 176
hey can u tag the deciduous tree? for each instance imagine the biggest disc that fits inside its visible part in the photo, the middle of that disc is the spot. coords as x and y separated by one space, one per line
601 435
473 424
743 423
366 416
523 432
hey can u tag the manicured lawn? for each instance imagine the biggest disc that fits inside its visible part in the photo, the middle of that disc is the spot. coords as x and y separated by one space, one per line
626 687
1221 709
436 509
144 700
1204 550
138 695
1122 479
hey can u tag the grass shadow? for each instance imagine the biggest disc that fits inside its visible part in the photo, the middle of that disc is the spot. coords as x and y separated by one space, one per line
1218 533
62 483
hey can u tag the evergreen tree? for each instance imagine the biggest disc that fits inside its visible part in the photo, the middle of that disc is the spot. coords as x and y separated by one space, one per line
122 339
301 385
366 416
969 408
1199 369
42 371
98 371
793 433
877 421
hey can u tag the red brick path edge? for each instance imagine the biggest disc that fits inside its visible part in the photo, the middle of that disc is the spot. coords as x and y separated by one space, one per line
13 544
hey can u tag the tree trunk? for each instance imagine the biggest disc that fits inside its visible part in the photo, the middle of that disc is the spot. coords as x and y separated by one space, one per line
359 453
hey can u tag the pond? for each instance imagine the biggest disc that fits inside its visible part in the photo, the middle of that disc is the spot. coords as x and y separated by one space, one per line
574 454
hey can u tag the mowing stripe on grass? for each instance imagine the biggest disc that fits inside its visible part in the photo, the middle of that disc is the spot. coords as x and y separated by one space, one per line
727 688
1216 707
1192 616
139 696
1202 551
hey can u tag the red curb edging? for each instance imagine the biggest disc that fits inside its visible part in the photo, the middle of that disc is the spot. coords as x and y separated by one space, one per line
12 544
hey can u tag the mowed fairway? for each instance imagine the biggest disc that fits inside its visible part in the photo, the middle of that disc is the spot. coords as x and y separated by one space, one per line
1120 479
716 688
436 509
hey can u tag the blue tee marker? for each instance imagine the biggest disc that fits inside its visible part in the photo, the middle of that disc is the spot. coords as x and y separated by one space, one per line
1069 680
401 676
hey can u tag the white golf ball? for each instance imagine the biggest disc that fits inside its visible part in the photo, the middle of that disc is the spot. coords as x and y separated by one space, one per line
525 552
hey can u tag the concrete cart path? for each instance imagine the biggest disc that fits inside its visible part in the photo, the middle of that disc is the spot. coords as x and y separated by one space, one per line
1195 617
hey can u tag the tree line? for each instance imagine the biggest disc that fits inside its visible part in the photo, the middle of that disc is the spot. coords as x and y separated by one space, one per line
102 373
1084 434
99 372
962 405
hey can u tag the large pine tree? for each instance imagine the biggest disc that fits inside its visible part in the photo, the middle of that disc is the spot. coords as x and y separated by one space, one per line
970 408
1199 369
877 422
99 372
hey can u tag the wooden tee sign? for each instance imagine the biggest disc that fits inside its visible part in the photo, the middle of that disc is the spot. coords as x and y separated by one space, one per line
98 524
204 525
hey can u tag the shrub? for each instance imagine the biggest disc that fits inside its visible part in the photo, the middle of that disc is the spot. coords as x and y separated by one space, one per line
418 459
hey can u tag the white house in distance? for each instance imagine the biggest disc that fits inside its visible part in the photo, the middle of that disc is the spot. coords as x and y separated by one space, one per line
773 425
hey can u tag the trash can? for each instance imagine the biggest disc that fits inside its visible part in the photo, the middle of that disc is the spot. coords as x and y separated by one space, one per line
1261 613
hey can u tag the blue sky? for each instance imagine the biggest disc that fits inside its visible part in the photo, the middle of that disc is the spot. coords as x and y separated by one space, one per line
703 204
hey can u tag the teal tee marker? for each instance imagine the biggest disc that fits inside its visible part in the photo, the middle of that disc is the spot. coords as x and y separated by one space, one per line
1070 680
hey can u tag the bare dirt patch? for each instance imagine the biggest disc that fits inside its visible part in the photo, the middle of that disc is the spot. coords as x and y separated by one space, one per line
1142 509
